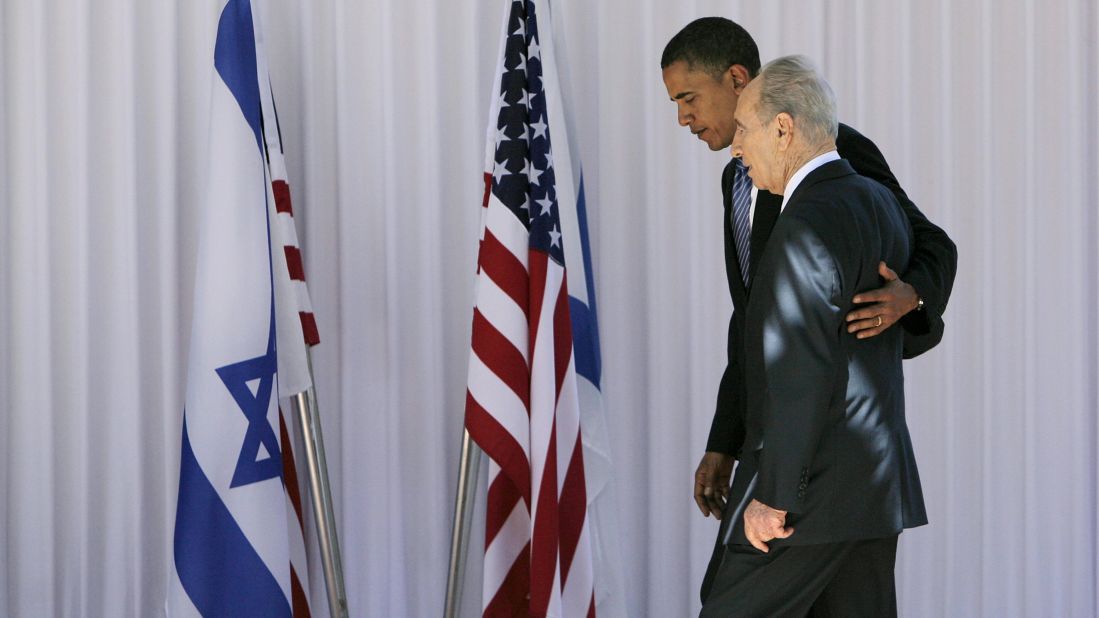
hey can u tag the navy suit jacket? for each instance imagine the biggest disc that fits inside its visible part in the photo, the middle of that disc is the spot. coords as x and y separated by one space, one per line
931 271
826 437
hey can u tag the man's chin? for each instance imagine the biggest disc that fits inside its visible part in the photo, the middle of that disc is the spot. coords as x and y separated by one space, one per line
716 146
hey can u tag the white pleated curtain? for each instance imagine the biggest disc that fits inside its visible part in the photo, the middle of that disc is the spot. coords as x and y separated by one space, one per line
988 113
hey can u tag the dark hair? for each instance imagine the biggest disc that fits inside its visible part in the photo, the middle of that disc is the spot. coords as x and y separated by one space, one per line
712 44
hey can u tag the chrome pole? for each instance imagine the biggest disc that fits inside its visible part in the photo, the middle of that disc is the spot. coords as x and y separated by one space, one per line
463 518
323 513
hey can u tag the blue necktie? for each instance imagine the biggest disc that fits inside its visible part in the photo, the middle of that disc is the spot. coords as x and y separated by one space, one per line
742 226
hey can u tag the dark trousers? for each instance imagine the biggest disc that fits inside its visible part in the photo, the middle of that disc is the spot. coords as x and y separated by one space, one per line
851 579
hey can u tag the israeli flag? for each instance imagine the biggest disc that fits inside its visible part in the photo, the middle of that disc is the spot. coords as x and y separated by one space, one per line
232 536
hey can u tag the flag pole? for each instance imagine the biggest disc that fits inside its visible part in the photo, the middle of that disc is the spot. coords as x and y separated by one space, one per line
323 513
463 518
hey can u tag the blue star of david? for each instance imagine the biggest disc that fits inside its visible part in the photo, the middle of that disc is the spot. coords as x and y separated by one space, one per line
250 469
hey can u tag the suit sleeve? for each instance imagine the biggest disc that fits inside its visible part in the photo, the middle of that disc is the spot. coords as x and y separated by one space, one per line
934 261
727 427
800 321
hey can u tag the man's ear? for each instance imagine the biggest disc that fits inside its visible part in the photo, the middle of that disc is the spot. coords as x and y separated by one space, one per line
738 76
784 125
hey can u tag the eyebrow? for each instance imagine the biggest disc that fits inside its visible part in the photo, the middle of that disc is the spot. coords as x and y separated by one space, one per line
682 94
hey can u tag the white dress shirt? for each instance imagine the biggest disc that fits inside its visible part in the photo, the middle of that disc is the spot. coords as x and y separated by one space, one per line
802 172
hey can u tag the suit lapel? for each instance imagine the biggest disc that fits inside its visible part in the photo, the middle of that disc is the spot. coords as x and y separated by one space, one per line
732 264
767 210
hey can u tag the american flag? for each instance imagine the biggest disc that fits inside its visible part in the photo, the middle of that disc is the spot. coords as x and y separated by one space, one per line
286 229
522 404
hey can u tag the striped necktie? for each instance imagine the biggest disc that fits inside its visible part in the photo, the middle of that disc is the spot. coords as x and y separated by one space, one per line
742 225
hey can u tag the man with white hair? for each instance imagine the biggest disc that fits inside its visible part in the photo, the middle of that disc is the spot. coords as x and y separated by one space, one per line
827 478
705 68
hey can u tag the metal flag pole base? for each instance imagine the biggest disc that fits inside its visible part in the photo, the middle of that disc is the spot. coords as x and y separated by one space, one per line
463 518
313 440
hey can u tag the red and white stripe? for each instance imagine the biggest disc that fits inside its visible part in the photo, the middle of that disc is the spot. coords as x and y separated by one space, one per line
293 365
299 558
289 235
282 224
522 410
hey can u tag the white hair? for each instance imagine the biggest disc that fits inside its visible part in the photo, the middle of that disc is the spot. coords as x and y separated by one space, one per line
792 84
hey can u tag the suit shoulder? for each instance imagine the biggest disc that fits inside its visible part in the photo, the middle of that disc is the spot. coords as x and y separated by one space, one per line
847 132
727 174
850 144
871 186
836 189
821 207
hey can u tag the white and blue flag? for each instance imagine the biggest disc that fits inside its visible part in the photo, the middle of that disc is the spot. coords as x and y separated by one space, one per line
237 534
610 598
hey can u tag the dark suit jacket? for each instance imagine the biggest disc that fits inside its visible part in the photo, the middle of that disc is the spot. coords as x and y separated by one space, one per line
826 435
931 271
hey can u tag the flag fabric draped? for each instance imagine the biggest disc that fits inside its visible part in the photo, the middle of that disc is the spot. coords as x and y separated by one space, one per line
610 597
523 399
239 546
296 326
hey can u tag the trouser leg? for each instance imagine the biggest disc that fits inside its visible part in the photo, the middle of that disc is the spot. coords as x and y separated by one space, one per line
715 562
863 585
715 556
784 582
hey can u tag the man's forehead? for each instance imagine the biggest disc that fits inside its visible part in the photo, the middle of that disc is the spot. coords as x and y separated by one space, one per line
686 71
748 98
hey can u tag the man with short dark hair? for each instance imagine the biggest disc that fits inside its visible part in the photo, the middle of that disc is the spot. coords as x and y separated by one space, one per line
706 68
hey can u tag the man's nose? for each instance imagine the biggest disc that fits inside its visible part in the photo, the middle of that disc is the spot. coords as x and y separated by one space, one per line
684 119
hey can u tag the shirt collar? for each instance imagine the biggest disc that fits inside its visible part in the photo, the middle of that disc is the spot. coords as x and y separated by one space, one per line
804 171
